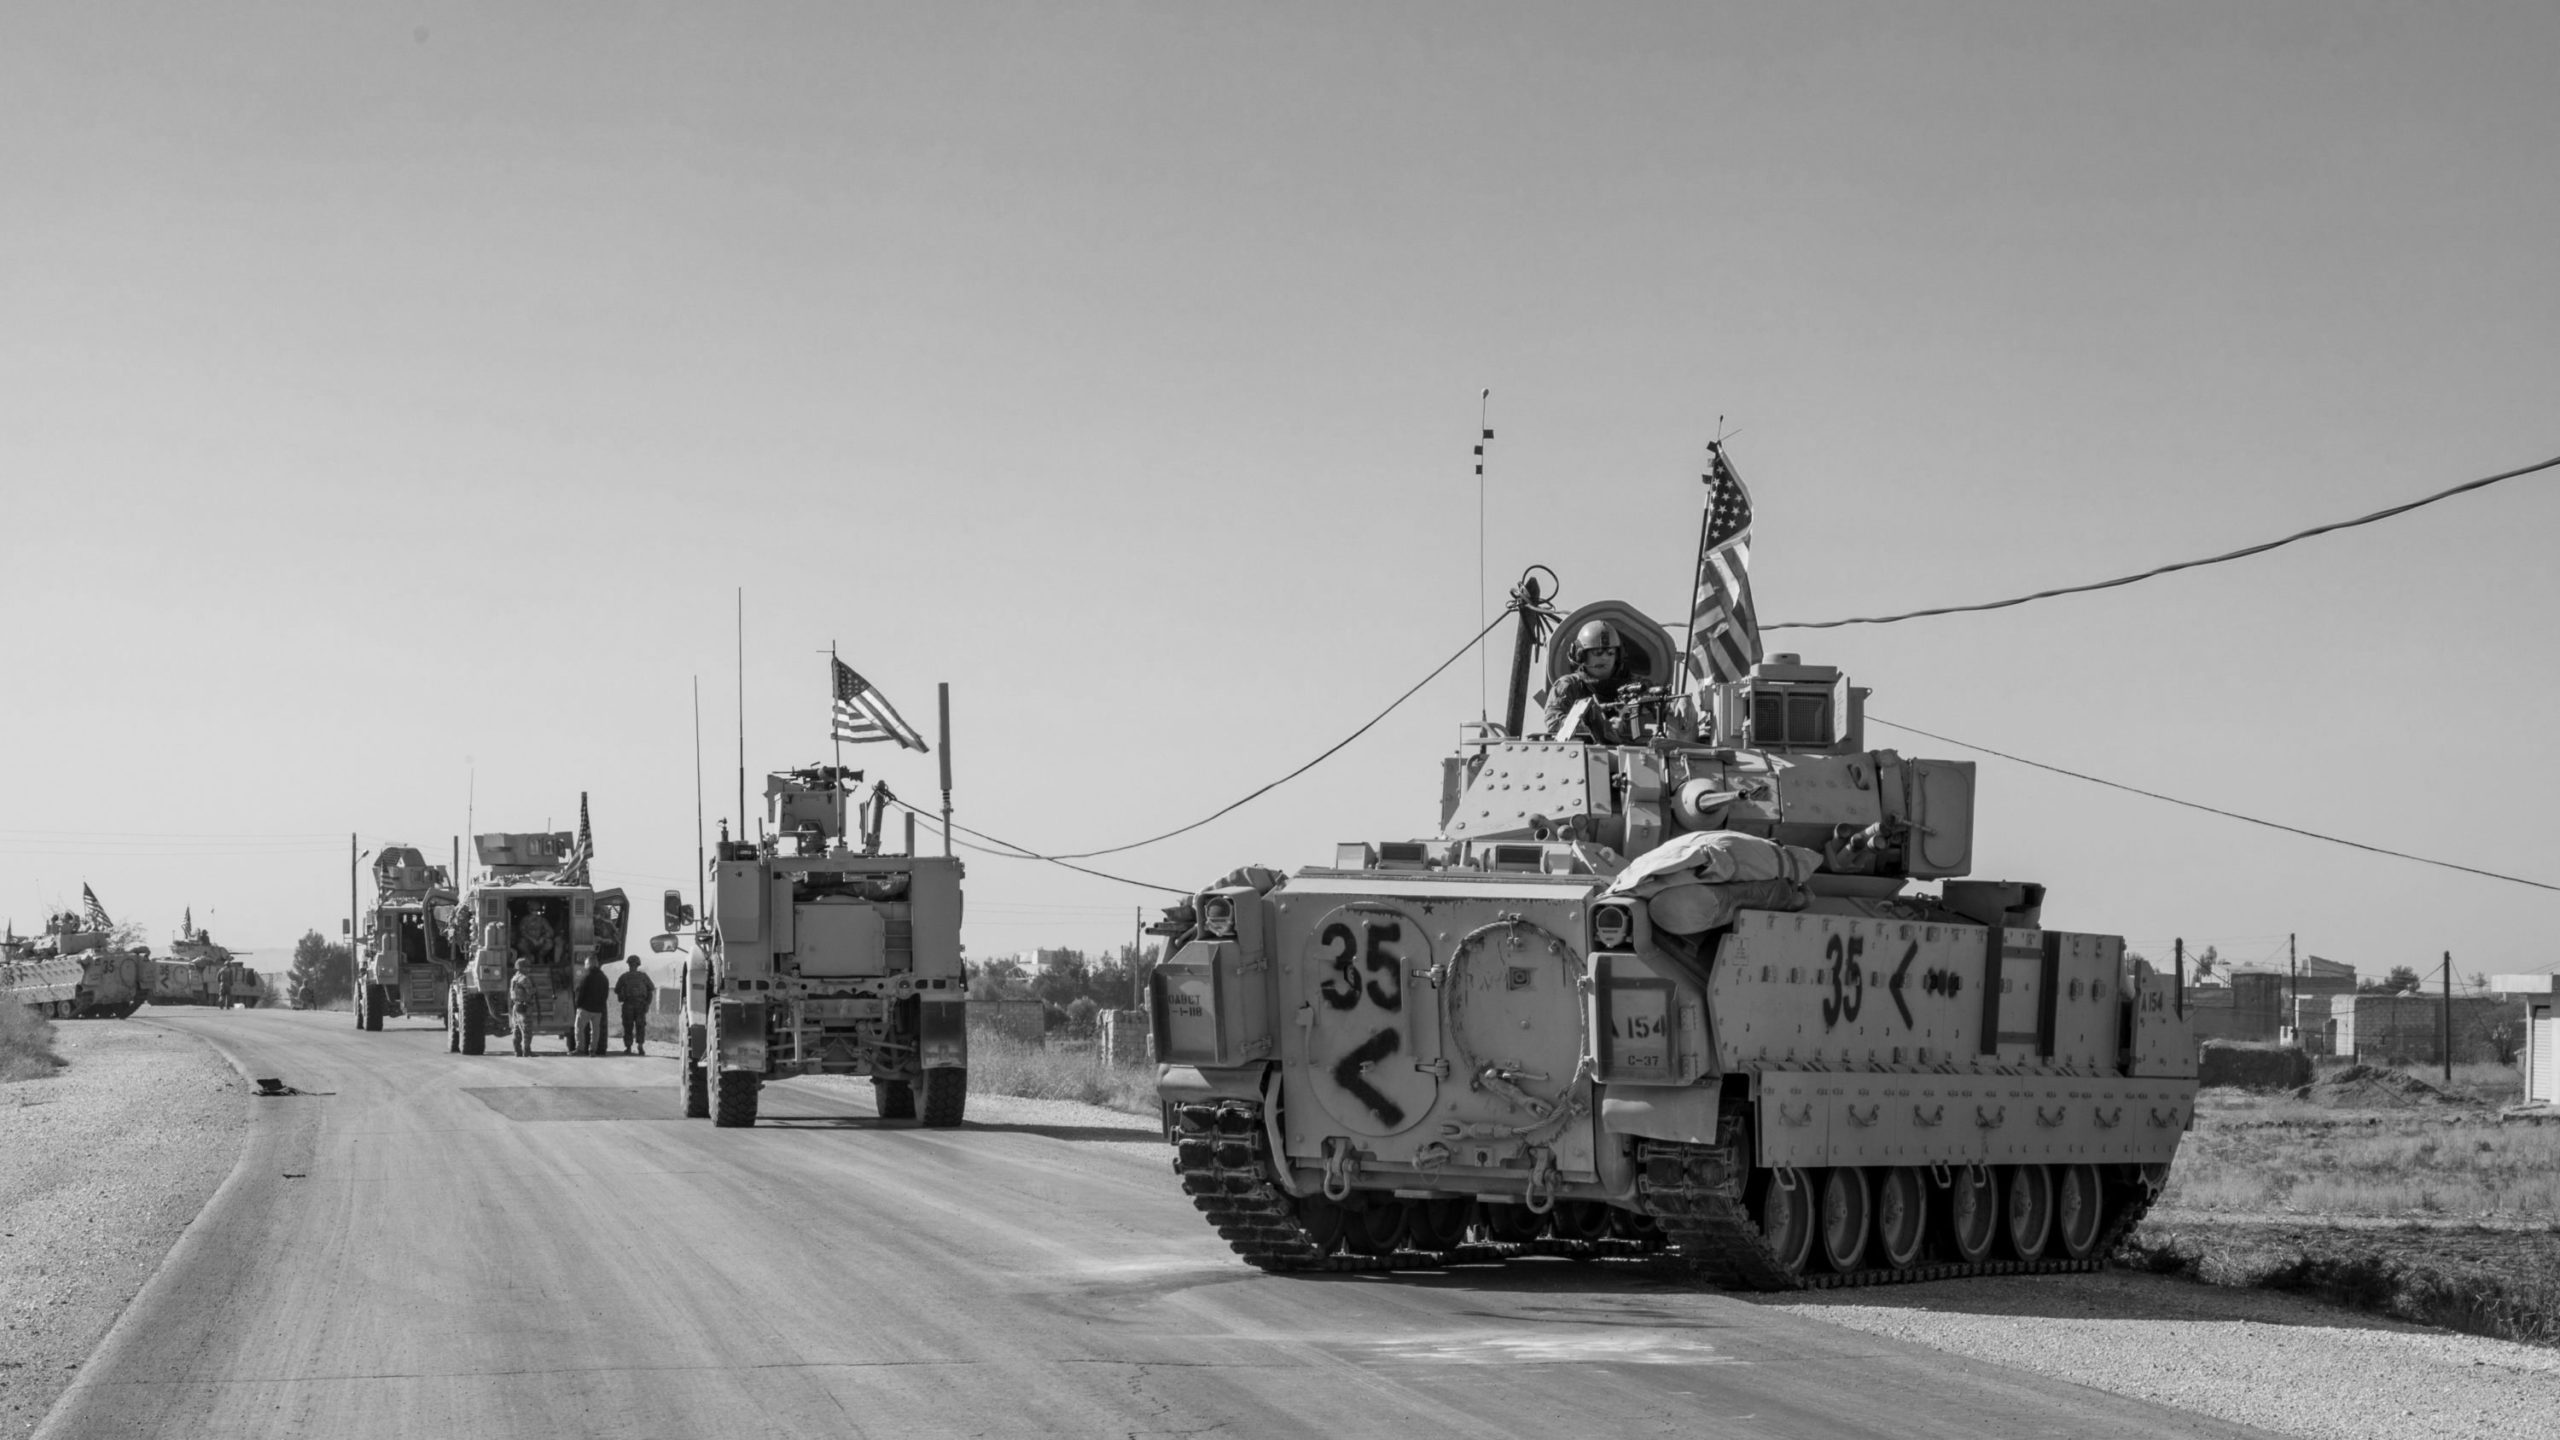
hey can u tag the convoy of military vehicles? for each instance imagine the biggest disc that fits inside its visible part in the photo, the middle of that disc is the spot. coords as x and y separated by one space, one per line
1695 971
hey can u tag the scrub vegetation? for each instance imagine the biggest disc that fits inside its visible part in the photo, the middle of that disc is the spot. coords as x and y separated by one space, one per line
26 1044
2381 1188
1000 1064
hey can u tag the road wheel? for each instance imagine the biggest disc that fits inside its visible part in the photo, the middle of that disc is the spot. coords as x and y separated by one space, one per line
1973 1214
1846 1217
1437 1225
1513 1224
1584 1220
946 1096
373 1005
1902 1216
695 1086
894 1099
475 1024
2029 1213
1374 1228
733 1098
360 1025
1786 1218
2078 1206
452 1026
1323 1221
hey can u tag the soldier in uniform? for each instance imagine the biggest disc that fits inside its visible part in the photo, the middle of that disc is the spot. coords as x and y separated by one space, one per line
1597 677
520 1007
587 1038
636 990
536 940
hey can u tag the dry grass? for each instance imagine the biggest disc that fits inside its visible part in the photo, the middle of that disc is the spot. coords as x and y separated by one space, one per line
1002 1065
26 1044
2373 1189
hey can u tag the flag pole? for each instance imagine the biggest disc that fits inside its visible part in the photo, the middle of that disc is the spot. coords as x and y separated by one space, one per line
1698 576
833 733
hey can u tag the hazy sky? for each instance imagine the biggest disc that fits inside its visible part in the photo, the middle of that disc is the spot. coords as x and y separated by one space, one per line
390 393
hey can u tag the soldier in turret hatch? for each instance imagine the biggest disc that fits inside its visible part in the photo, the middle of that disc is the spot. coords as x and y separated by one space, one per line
1597 678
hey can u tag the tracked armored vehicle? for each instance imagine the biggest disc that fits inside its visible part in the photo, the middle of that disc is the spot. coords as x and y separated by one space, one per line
74 972
823 956
1681 991
531 902
406 961
199 971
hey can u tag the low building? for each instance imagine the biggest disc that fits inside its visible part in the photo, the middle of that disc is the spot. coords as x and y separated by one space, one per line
2410 1029
2540 1051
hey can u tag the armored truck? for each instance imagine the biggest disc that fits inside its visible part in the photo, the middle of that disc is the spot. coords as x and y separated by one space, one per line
405 954
1716 984
823 956
530 902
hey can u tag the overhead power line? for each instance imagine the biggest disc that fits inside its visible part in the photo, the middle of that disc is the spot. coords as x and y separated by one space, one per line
1011 851
2240 554
2213 810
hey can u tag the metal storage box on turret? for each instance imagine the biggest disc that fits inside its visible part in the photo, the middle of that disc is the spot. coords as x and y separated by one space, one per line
1713 984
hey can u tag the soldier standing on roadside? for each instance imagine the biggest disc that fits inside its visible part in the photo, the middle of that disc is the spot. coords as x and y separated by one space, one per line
593 990
520 1007
636 991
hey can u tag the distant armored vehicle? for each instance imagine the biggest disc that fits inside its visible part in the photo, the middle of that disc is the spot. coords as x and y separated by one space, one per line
198 971
72 971
531 902
821 959
405 955
1674 991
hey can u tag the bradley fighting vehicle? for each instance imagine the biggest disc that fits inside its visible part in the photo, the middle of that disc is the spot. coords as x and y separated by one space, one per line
823 959
531 902
198 971
71 971
405 956
1678 991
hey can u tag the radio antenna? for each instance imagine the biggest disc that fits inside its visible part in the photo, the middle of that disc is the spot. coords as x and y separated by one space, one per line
742 712
699 902
1484 437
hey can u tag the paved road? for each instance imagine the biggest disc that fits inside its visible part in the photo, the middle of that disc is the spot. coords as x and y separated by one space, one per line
441 1246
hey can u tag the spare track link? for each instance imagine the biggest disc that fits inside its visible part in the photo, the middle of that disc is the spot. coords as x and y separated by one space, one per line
1694 1192
1223 1155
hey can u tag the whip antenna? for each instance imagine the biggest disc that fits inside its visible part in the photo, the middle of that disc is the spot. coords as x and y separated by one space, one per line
1484 437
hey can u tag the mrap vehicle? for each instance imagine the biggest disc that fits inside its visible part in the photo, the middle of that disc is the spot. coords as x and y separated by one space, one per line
530 902
405 956
823 959
1685 990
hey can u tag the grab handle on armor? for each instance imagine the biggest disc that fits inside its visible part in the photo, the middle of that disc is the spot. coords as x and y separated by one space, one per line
1874 1112
1939 1175
1991 1119
1932 1115
1339 1166
2060 1114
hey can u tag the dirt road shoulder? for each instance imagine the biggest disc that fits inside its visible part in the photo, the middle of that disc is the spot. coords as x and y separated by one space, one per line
102 1166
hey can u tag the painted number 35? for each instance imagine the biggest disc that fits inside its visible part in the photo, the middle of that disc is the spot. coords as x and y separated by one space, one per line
1363 965
1848 982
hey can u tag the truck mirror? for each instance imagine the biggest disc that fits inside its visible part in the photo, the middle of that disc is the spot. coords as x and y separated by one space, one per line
665 944
675 911
346 927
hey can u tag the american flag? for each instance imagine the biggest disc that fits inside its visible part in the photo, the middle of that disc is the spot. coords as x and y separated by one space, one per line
573 871
1724 629
94 914
863 714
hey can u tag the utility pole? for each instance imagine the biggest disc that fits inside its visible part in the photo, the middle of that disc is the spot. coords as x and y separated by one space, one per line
351 913
2293 998
2448 1017
1137 952
942 702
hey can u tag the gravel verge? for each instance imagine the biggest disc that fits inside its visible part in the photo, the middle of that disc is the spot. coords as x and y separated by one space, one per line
2278 1362
102 1165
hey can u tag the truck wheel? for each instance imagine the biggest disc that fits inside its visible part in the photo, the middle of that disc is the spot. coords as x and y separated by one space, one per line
695 1087
946 1095
360 1005
475 1024
894 1099
733 1097
452 1026
373 1007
